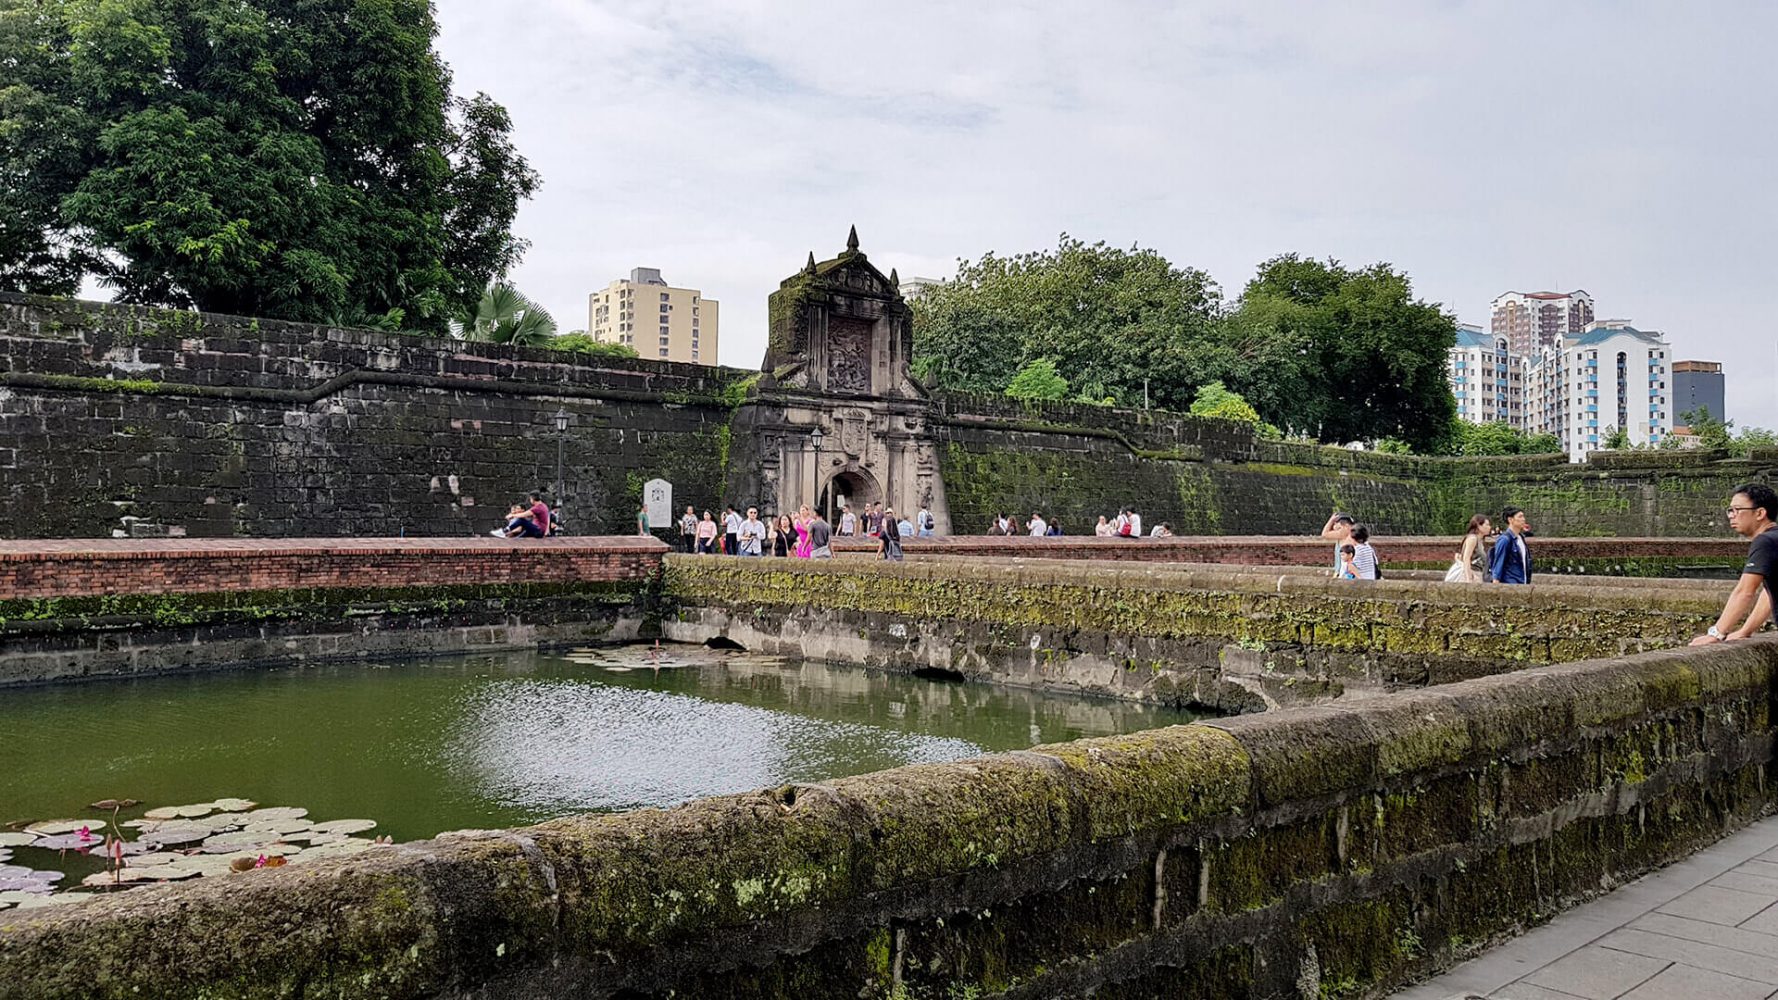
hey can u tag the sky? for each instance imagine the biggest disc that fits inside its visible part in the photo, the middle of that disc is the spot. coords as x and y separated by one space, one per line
1623 148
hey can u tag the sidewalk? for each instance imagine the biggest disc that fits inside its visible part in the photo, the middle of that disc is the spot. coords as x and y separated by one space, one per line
1705 928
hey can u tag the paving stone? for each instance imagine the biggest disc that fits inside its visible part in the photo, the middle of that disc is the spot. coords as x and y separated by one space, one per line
1526 991
1738 938
1597 973
1763 922
1718 905
1683 982
1694 953
1740 879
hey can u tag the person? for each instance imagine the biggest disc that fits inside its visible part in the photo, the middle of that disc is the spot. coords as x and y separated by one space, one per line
820 538
1162 530
642 525
752 535
688 530
905 527
783 536
1135 523
889 537
1039 527
804 517
1511 562
1347 570
848 521
1055 527
873 519
1364 557
1104 528
928 523
1470 565
707 534
1753 514
1338 529
517 516
731 531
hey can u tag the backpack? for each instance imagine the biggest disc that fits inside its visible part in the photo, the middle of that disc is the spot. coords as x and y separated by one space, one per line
1123 528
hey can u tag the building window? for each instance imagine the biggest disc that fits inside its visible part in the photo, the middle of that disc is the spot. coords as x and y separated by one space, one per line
663 296
663 352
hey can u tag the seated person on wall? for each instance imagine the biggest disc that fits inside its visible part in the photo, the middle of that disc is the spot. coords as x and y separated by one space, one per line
528 522
1753 514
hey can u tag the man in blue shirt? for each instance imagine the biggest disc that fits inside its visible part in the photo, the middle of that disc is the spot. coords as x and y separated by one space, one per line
1753 514
1512 562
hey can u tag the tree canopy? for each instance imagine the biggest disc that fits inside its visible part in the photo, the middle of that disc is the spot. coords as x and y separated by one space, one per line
300 159
1038 380
1495 438
1311 346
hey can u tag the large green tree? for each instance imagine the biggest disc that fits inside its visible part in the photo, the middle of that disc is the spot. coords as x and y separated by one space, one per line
302 159
1108 318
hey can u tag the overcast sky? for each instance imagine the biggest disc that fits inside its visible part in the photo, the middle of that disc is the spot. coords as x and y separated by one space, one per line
1624 148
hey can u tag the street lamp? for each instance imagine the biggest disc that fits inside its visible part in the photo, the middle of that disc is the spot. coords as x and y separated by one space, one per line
561 421
815 437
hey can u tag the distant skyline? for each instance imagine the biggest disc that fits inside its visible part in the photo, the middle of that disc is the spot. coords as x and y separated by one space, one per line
1619 148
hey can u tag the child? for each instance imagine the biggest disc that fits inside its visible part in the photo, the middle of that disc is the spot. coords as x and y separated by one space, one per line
1347 570
517 516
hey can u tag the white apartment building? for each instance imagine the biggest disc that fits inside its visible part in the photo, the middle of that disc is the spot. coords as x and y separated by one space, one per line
658 320
1533 320
1487 378
1611 375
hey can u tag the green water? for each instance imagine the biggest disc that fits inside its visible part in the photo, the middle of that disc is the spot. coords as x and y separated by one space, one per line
493 741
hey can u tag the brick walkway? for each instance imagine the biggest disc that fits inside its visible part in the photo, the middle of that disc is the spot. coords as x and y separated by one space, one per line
1703 929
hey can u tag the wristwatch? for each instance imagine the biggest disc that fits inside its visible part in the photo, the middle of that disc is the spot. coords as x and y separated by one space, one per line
1716 633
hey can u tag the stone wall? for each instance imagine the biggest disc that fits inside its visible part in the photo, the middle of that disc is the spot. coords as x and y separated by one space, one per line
1207 637
1331 852
83 610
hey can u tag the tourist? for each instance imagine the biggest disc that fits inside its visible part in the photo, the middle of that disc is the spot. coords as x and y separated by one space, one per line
848 521
820 535
873 519
1471 563
1511 562
783 536
752 535
1104 529
1162 530
517 516
642 526
905 527
1753 514
889 537
1039 527
688 530
928 523
707 534
731 531
1135 523
1338 530
1055 527
804 518
1347 571
1364 557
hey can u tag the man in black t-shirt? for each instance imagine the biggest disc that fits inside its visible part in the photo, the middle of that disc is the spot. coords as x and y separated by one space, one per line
1753 513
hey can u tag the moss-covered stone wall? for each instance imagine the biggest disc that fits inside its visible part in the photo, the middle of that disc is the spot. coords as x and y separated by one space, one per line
1222 639
1338 851
1203 476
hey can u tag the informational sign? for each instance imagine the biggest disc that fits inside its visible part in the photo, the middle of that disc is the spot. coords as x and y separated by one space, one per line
658 495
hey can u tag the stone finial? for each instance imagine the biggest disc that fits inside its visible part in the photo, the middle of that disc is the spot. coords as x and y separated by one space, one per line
894 278
809 268
852 240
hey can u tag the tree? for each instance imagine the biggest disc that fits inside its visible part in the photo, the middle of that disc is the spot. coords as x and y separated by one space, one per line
580 343
1038 380
1215 400
1109 319
1616 439
1362 359
1495 438
299 160
505 316
1717 434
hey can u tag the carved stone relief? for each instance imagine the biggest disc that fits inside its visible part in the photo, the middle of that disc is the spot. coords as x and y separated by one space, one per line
848 354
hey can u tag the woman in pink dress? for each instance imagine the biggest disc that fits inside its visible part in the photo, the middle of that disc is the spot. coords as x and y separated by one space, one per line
803 517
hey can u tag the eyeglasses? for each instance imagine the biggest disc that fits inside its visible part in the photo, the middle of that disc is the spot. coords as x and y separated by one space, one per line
1740 510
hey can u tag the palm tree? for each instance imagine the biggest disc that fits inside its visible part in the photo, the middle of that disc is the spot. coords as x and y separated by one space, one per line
505 316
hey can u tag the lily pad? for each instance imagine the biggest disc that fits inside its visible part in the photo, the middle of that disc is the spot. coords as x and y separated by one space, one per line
152 859
242 838
175 836
55 826
276 813
28 885
194 811
235 805
346 826
71 842
121 877
5 855
218 821
278 826
110 805
59 899
167 873
11 839
162 812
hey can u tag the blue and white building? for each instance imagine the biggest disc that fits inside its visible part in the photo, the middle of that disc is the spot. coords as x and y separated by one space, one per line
1611 375
1487 378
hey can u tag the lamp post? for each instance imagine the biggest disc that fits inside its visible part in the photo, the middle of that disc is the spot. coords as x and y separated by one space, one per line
815 437
561 421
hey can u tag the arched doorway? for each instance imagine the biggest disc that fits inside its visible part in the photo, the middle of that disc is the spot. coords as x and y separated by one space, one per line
850 486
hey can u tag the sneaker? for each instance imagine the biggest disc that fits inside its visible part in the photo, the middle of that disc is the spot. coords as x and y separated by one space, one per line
497 533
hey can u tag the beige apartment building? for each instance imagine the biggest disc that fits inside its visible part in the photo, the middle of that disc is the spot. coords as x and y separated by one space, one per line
658 320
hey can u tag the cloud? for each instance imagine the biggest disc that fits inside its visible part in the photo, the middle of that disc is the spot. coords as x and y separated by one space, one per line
1619 148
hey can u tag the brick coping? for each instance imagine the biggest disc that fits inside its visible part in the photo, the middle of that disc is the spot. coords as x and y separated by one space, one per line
63 549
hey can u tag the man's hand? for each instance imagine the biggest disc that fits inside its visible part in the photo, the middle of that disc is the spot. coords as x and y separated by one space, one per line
1705 640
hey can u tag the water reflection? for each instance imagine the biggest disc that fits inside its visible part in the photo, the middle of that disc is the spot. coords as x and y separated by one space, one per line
499 741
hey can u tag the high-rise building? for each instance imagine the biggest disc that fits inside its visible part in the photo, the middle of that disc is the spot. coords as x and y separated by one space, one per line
658 320
1487 378
1697 385
1611 375
1533 320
